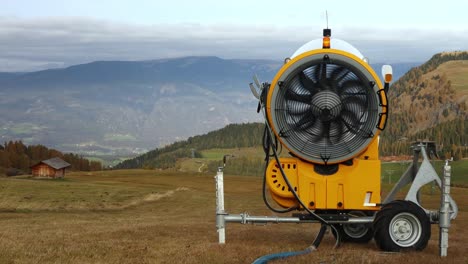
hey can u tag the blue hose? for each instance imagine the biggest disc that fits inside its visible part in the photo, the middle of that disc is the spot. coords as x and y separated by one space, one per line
266 258
313 247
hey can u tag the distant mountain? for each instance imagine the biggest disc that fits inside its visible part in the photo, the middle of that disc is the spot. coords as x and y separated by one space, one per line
430 102
129 107
5 76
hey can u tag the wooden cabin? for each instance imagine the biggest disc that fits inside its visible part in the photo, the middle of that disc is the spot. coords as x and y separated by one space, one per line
51 168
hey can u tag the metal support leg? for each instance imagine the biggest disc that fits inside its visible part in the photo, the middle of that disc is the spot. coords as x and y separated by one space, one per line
408 177
444 220
220 213
405 179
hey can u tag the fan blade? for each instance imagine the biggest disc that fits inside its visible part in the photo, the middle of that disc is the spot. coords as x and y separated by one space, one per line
308 120
338 73
350 101
349 85
304 123
323 75
324 133
297 108
337 134
303 98
324 82
350 120
307 83
336 76
317 72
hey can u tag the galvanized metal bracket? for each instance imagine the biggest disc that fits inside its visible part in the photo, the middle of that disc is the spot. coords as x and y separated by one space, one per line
220 213
444 214
418 177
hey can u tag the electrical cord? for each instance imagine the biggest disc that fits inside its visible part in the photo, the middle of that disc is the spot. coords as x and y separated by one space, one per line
267 145
293 191
266 148
320 219
268 137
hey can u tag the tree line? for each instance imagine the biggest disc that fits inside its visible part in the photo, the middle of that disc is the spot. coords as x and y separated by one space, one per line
451 139
231 136
17 158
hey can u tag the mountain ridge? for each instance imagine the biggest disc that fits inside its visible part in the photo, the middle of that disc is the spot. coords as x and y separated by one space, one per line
123 108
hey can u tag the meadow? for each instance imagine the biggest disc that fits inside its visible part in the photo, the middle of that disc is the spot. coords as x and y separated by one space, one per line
151 216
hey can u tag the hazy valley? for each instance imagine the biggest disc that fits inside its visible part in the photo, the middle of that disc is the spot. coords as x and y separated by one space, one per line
123 108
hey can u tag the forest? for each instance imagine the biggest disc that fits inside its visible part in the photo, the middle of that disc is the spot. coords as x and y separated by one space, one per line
231 136
425 105
17 158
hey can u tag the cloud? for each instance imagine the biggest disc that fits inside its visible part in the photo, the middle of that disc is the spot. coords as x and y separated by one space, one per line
31 44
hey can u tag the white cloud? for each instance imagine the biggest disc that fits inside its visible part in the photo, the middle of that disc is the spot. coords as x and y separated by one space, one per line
27 44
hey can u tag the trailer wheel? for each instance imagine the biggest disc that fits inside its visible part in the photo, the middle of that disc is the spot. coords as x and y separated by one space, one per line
354 233
401 225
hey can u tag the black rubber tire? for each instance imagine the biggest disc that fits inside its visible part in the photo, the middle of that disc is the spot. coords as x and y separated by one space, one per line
366 236
409 213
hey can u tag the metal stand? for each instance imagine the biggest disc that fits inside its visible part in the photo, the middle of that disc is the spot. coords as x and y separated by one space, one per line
421 176
418 177
222 217
220 213
444 218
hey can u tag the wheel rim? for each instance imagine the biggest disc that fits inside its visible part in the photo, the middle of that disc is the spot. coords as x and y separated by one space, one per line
405 229
355 230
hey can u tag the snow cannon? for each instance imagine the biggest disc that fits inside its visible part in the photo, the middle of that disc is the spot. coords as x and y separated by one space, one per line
326 108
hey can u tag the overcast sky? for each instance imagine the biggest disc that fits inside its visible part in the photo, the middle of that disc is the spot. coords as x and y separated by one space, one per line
57 33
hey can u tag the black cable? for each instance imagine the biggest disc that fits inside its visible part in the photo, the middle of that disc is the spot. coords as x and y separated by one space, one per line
319 236
293 191
320 219
266 148
267 143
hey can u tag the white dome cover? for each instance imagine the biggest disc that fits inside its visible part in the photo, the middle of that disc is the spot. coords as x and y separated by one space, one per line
334 44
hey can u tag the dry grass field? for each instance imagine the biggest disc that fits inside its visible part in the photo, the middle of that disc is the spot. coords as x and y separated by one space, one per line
144 216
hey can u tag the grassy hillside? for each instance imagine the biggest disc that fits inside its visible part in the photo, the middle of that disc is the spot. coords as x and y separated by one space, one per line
145 216
231 136
430 102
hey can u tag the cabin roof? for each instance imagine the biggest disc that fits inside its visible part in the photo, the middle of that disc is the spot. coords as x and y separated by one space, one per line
56 163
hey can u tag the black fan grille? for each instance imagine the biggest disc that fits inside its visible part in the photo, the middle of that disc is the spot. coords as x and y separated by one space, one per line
326 111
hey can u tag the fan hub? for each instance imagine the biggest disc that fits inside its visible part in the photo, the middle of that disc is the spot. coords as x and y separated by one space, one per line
326 105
